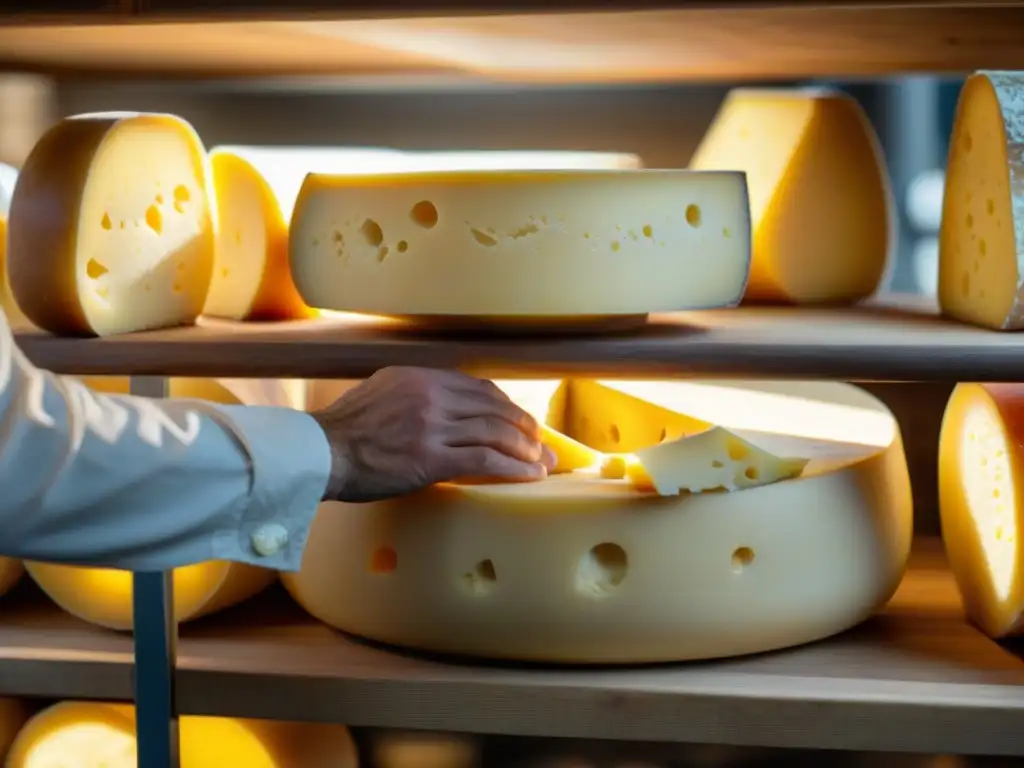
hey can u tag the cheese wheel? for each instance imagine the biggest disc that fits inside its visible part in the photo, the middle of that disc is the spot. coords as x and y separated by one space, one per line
14 713
515 247
981 240
416 749
981 503
15 317
820 197
100 735
581 569
110 228
103 596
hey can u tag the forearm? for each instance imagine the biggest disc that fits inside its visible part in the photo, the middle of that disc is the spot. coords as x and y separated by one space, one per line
150 485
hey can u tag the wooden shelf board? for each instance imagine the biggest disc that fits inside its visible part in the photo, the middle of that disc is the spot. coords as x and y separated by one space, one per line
525 41
894 339
915 678
47 653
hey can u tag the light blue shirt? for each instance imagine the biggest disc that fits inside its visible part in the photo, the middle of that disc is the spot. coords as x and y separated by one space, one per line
148 485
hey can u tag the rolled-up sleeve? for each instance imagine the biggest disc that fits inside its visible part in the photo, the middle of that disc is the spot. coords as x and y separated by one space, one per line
140 484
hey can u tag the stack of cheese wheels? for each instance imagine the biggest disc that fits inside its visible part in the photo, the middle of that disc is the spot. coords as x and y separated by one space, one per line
100 735
511 248
981 240
578 568
822 206
104 596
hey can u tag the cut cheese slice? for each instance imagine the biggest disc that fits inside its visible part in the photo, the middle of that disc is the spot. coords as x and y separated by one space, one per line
251 278
579 568
410 244
104 596
100 735
981 241
110 229
981 503
820 197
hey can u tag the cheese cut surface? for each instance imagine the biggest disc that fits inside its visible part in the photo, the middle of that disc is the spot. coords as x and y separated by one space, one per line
251 277
981 502
820 197
104 596
100 735
523 242
580 568
110 228
981 241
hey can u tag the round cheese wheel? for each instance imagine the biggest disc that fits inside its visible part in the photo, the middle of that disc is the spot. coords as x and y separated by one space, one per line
580 569
104 596
528 248
100 735
14 713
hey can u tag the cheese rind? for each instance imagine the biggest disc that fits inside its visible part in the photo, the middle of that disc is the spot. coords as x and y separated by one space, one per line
581 569
251 278
15 317
981 502
523 242
821 201
110 228
981 240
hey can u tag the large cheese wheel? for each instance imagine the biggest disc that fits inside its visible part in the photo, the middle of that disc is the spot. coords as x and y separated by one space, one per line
820 196
104 596
981 241
99 735
576 568
516 247
110 228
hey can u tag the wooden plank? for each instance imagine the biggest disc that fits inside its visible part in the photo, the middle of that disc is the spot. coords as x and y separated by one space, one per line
890 340
915 678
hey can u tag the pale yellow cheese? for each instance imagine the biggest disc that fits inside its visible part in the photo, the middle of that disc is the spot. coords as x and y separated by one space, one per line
519 246
820 197
981 241
251 278
580 568
110 229
100 735
981 502
104 596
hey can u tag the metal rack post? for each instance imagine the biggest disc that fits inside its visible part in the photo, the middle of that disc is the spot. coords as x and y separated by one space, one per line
155 637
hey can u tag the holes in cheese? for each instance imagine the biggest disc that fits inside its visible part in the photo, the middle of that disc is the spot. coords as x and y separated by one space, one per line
101 735
110 229
251 277
980 502
590 570
981 244
820 197
521 239
104 596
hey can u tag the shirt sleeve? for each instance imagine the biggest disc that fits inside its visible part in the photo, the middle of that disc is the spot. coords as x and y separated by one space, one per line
150 485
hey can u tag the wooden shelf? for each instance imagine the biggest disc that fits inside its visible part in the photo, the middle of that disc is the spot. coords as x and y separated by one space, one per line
898 339
525 41
915 678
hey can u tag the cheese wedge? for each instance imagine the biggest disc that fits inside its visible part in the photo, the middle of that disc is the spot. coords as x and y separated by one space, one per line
981 502
820 198
580 568
104 596
981 240
410 244
110 228
77 734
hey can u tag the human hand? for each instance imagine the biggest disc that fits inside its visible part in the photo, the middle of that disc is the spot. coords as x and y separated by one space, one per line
404 429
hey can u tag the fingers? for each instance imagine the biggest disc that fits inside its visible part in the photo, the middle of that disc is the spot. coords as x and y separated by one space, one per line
496 433
485 462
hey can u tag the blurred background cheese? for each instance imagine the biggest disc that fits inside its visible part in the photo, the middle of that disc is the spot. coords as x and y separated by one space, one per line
14 713
820 197
519 245
581 569
981 242
104 596
981 464
101 735
110 228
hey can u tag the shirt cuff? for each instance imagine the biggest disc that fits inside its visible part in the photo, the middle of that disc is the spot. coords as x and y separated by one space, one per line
290 462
